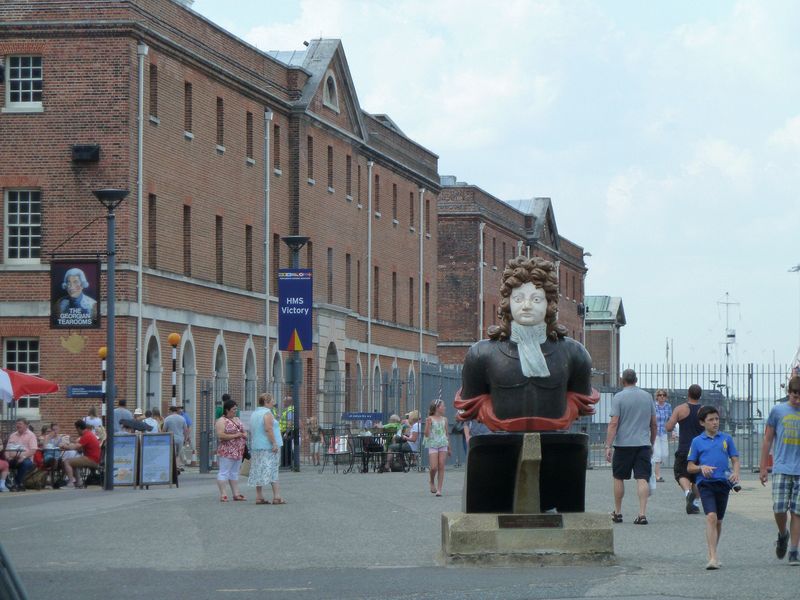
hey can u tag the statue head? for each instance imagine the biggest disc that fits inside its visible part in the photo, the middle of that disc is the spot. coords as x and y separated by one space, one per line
542 274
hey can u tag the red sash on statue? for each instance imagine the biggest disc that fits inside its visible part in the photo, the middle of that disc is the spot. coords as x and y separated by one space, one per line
480 408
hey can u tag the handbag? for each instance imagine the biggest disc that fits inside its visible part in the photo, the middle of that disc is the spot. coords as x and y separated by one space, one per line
246 455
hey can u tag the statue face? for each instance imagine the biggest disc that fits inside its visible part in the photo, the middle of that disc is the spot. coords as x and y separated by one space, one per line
528 304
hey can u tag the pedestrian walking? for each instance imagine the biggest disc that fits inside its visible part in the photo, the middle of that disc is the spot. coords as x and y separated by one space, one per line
230 450
782 435
631 434
709 456
689 427
265 449
661 445
437 443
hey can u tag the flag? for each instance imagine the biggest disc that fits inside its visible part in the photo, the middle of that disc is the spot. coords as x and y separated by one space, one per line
15 385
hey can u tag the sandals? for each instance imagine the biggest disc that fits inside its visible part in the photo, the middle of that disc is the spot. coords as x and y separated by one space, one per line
223 498
263 502
439 494
279 501
616 518
640 520
239 498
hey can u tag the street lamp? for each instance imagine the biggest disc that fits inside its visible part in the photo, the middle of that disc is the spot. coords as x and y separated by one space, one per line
295 243
173 340
796 269
111 199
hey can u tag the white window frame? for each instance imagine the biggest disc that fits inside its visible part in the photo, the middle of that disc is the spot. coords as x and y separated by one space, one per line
25 411
22 106
7 226
332 103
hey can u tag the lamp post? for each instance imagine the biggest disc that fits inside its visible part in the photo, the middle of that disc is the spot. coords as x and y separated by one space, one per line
796 269
173 340
295 243
111 199
102 353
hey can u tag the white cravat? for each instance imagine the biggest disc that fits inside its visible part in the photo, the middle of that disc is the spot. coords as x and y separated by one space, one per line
529 339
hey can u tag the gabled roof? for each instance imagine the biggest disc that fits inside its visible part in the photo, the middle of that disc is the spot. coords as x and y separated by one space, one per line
605 309
544 220
316 60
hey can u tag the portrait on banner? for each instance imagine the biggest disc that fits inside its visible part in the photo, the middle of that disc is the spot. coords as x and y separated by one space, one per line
75 294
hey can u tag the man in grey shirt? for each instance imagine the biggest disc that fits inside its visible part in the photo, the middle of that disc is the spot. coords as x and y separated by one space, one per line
631 432
176 425
121 412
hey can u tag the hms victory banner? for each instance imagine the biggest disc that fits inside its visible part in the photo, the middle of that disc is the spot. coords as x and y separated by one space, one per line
294 309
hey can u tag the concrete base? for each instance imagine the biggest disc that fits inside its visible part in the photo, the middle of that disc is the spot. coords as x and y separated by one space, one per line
479 538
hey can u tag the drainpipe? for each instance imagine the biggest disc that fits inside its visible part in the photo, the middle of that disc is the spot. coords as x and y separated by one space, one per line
421 282
481 227
370 164
141 52
267 131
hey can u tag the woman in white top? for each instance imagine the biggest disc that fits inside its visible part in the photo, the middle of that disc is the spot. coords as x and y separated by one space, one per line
91 419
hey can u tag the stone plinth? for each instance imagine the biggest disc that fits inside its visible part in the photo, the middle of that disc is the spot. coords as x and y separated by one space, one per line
540 538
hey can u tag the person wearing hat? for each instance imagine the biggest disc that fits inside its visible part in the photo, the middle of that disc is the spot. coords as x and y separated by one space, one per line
138 414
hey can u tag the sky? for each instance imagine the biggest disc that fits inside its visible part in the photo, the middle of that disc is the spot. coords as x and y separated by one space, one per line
666 133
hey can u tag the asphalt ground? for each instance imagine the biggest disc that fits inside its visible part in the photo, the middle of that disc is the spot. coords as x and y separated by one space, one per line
361 536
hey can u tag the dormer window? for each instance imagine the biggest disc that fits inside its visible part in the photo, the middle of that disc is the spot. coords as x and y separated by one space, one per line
330 95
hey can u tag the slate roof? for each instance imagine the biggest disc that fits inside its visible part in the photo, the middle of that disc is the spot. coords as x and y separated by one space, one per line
604 309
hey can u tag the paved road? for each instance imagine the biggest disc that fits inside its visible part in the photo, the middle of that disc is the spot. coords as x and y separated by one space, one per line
359 536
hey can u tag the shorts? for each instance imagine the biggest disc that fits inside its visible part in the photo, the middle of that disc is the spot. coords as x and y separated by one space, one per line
229 469
680 466
631 458
714 495
82 461
661 448
437 449
785 493
315 447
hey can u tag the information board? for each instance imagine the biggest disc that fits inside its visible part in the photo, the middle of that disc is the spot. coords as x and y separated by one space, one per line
126 459
156 459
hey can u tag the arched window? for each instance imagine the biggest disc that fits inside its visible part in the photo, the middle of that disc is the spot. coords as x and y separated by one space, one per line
330 94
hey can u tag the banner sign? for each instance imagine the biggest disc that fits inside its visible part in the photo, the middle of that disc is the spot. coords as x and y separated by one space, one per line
294 309
126 454
75 294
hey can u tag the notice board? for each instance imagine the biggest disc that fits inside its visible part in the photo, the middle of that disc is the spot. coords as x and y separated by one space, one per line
156 459
126 459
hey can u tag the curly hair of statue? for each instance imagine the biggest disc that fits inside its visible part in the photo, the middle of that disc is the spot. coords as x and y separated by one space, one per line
542 274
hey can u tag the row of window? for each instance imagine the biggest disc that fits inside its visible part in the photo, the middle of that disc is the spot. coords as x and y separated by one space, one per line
22 354
23 244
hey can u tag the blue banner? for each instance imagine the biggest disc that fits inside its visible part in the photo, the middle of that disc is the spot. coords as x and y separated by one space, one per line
294 309
85 391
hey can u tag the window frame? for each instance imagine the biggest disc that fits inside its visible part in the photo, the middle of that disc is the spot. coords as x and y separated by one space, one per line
25 411
329 101
6 227
19 106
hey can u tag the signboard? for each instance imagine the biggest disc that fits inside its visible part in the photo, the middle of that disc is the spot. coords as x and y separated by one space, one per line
85 391
126 459
294 309
362 416
156 459
75 294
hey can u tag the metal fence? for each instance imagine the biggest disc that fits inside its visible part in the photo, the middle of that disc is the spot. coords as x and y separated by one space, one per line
743 393
331 401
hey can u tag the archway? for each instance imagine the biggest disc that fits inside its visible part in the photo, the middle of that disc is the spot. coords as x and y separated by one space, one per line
189 380
333 394
152 375
250 380
276 385
220 373
377 396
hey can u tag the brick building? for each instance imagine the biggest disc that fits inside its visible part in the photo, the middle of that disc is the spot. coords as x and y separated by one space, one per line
238 148
478 233
605 316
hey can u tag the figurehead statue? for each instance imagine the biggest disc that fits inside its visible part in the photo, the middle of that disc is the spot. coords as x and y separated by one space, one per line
528 376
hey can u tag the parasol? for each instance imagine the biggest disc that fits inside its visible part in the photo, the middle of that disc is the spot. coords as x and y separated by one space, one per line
15 385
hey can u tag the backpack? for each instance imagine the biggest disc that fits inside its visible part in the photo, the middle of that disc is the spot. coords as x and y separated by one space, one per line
398 464
36 479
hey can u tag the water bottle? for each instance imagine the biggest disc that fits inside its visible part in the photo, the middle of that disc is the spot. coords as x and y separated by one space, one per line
734 486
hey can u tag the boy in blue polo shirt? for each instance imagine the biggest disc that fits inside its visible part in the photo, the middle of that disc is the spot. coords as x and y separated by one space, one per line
708 457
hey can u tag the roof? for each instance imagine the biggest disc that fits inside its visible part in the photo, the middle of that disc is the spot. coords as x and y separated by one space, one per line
543 216
601 309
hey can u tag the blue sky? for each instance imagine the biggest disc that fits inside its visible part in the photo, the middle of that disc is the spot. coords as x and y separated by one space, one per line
666 133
